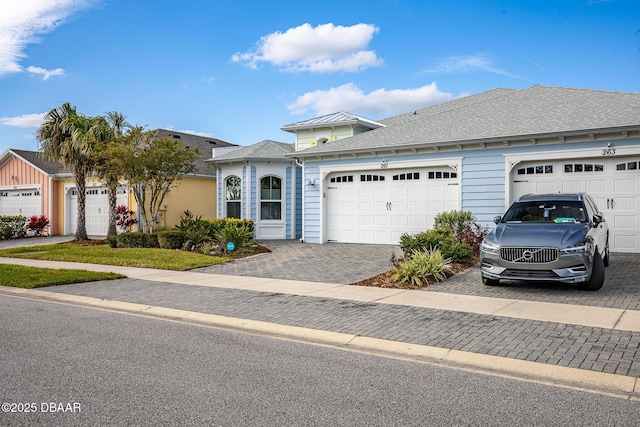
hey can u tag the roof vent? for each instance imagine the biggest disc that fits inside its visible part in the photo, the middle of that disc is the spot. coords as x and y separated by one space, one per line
212 142
176 136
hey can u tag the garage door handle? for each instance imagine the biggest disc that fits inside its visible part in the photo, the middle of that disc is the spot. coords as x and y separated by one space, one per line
609 203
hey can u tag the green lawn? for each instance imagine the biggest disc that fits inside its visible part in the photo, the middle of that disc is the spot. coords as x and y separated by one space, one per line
33 277
165 259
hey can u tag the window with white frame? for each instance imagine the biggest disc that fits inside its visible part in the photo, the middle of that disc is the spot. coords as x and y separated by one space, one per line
233 195
270 198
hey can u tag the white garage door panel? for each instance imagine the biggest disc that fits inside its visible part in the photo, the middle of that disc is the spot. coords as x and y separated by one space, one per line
387 203
27 202
96 210
613 182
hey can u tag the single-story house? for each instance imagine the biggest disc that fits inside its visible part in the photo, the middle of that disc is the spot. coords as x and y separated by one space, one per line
477 153
30 186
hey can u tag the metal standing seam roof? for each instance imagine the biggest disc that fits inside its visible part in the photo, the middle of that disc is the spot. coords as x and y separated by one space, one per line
339 118
264 150
498 115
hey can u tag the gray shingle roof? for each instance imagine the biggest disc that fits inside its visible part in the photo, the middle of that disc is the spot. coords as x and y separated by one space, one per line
339 118
34 157
205 145
264 150
498 115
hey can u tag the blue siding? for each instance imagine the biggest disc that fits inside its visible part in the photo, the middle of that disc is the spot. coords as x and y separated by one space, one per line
298 193
287 204
253 195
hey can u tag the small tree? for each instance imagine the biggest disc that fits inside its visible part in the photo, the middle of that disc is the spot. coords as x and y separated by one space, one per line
152 166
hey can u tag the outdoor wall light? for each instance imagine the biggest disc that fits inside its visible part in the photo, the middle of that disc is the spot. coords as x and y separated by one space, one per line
311 182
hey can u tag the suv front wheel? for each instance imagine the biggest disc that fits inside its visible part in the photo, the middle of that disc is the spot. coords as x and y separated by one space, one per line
596 280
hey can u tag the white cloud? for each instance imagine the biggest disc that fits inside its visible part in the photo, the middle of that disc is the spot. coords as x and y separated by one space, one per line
469 63
45 73
322 49
23 21
380 102
24 121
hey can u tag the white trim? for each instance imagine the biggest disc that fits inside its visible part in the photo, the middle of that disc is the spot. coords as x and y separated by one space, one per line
22 187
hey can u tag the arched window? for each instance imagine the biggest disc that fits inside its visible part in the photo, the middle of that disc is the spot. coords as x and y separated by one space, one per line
233 195
270 198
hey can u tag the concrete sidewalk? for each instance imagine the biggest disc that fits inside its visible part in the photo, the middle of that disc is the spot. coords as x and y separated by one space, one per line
588 347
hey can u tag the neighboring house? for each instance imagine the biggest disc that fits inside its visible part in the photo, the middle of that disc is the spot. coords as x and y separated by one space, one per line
31 186
478 154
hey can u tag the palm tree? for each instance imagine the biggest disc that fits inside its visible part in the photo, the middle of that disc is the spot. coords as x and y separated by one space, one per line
70 139
106 168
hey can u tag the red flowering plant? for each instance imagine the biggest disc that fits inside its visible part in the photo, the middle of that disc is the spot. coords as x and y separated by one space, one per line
125 218
37 225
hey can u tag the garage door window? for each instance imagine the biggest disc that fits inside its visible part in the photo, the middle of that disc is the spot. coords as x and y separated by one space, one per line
583 167
627 166
344 178
233 195
536 170
442 175
406 176
270 198
371 178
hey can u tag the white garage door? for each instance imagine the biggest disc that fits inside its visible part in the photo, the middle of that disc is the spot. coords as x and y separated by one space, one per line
613 182
379 206
96 210
26 202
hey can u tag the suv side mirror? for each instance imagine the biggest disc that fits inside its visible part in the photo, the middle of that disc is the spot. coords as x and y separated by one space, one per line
597 219
497 219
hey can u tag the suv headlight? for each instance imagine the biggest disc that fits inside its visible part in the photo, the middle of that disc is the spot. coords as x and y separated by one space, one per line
490 248
578 249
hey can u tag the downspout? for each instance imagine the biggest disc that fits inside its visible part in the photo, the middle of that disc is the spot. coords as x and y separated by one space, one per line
303 192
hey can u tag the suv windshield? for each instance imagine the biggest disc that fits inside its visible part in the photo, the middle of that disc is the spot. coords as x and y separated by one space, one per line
548 212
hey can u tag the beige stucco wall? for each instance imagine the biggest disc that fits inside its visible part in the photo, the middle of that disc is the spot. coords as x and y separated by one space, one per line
198 195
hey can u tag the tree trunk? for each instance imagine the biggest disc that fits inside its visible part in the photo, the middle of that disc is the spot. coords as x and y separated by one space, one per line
113 204
81 230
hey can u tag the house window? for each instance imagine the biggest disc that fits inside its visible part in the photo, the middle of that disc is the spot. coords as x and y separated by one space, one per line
270 198
233 191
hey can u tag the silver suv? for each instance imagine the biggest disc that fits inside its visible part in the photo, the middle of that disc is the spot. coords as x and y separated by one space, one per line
548 237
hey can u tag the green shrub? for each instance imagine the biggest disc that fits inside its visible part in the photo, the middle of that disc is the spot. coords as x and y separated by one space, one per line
458 221
171 239
240 233
13 227
421 266
112 241
138 239
442 238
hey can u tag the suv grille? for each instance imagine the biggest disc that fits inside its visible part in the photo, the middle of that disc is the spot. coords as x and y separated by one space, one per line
530 255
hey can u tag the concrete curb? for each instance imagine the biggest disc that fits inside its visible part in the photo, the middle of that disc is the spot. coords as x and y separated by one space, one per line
580 379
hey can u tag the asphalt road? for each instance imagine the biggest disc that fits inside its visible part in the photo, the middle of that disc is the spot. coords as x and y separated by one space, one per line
69 365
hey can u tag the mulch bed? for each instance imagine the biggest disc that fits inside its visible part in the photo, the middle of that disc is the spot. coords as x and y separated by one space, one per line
384 280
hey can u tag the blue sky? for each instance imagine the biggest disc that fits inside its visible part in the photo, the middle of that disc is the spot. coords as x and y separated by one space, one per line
240 70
